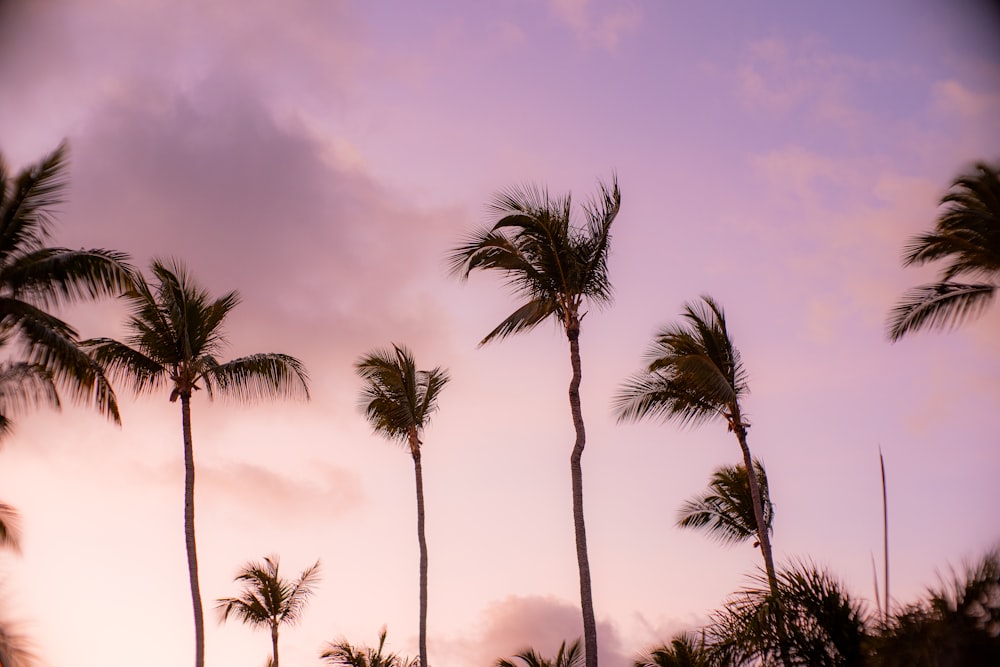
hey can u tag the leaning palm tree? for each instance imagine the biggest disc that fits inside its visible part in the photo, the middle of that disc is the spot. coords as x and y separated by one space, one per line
343 654
398 401
558 269
967 235
566 657
684 650
35 278
695 374
726 510
268 601
175 338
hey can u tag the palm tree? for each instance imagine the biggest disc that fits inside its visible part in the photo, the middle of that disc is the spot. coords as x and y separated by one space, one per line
726 510
36 277
811 621
566 657
967 234
175 337
684 650
398 401
957 623
343 654
269 601
557 268
695 374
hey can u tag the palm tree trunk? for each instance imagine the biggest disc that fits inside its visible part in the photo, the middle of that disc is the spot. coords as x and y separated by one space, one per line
192 554
576 473
274 645
421 538
762 535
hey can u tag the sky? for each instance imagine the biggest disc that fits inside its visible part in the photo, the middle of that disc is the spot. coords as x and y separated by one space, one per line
323 156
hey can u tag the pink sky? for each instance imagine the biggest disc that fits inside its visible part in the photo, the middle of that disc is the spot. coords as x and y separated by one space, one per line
322 157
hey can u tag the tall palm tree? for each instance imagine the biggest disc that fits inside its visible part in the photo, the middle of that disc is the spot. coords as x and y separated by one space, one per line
35 278
176 333
695 374
566 657
398 401
967 235
557 268
268 601
684 650
726 510
343 654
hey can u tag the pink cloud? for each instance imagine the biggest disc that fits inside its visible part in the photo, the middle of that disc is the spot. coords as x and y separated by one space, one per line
605 29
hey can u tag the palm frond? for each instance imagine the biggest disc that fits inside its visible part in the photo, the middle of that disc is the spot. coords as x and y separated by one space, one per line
55 276
26 207
258 376
126 364
24 386
525 318
343 654
684 650
10 530
939 306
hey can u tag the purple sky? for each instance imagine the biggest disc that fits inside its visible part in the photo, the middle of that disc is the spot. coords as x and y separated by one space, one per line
322 157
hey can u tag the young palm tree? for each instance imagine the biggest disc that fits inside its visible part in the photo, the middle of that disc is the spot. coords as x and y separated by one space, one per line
566 657
176 335
557 268
268 601
343 654
726 510
684 650
36 277
398 401
967 235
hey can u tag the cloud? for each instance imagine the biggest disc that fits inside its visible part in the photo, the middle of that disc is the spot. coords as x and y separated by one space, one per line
952 97
605 29
515 623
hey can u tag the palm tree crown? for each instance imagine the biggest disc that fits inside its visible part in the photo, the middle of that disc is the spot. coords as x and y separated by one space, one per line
343 654
269 601
566 657
684 650
553 265
175 336
35 277
398 401
967 236
725 511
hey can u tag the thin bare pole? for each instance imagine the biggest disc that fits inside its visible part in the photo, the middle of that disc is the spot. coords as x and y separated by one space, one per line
885 533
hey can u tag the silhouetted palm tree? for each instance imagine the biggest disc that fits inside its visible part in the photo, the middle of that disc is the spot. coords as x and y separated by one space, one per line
268 601
695 374
36 277
726 510
343 654
811 621
566 657
557 268
398 401
684 650
958 624
967 235
175 338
